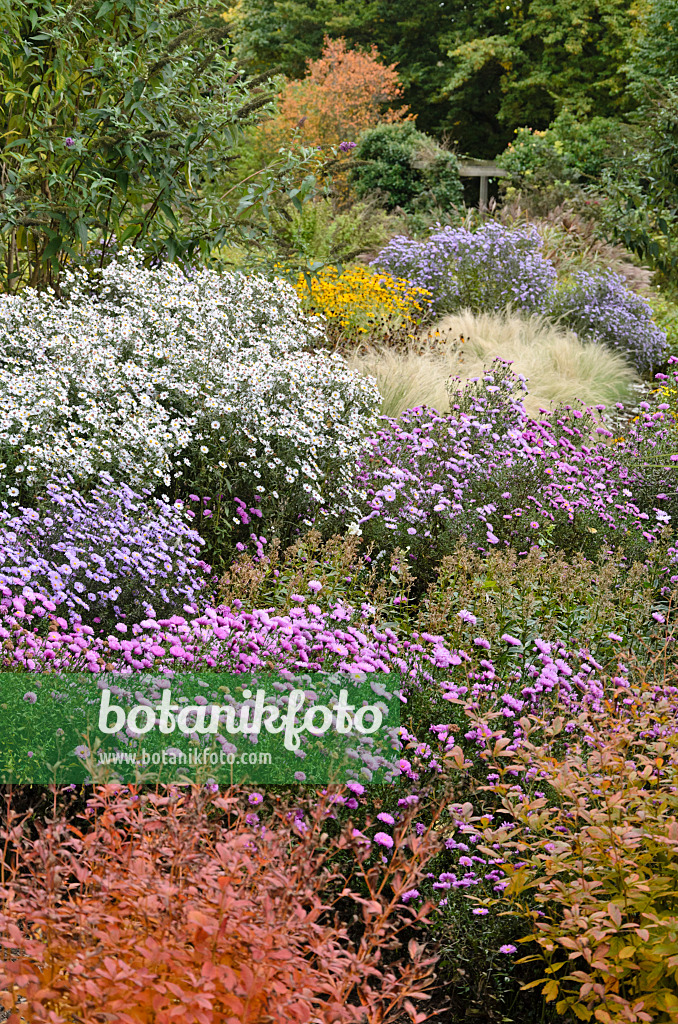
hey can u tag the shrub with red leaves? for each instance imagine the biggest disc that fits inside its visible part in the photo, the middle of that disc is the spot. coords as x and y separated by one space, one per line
152 912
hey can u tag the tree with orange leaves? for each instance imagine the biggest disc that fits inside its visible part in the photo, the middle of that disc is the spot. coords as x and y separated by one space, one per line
343 93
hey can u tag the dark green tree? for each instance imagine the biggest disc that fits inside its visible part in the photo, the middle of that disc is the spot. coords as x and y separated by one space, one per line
550 56
641 187
654 53
472 71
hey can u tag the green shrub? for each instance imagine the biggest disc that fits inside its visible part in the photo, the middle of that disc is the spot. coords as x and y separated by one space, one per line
572 599
408 168
552 167
666 316
342 565
91 161
319 232
568 151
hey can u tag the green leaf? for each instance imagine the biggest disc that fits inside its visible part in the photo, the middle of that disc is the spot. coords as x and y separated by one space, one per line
53 247
128 233
169 213
83 235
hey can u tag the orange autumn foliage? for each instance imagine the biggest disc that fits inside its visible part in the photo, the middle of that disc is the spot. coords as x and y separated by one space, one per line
175 909
343 93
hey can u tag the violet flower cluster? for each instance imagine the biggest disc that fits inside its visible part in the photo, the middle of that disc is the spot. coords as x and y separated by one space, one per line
488 474
485 270
497 266
600 308
115 552
226 638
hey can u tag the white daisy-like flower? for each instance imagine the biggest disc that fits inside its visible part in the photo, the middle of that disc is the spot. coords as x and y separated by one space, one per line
124 385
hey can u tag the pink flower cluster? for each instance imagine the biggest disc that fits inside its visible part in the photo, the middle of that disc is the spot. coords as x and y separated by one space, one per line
225 638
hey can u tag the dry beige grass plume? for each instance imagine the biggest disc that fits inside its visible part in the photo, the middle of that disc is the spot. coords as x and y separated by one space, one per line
559 368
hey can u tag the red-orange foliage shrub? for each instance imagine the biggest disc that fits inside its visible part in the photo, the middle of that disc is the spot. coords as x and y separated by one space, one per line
344 92
158 914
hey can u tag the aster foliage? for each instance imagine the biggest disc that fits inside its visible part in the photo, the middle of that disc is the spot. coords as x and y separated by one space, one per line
179 382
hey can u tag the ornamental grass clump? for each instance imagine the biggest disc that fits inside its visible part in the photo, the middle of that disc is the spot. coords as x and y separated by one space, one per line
97 558
483 271
194 382
600 307
558 367
360 305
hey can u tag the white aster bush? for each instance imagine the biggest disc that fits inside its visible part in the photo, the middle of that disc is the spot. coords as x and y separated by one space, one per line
180 382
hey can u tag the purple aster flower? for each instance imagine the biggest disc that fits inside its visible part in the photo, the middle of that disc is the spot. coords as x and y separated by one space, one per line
467 616
387 819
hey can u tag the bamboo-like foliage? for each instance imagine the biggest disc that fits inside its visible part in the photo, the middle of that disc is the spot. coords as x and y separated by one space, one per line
117 118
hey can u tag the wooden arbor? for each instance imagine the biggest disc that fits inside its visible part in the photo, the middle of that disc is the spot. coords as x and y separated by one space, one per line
483 169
